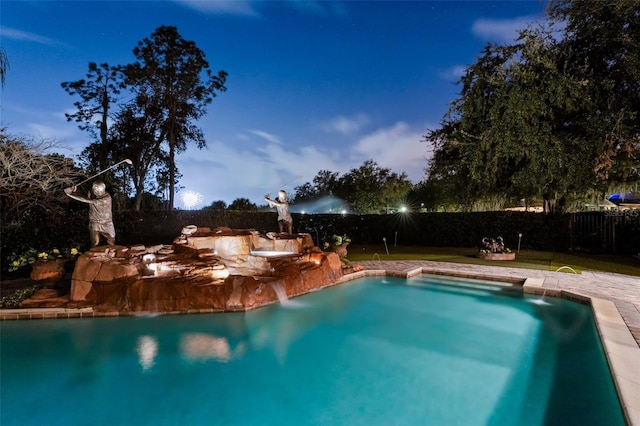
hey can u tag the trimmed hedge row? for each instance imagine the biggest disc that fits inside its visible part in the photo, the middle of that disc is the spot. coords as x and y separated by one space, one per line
548 232
541 232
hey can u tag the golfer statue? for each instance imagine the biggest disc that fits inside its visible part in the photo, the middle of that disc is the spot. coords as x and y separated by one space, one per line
285 222
100 217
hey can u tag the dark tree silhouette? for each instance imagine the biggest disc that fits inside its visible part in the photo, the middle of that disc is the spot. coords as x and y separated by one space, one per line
168 75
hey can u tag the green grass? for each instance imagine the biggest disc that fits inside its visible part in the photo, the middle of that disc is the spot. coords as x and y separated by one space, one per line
530 259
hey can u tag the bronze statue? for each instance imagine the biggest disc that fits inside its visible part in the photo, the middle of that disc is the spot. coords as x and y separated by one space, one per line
100 216
285 222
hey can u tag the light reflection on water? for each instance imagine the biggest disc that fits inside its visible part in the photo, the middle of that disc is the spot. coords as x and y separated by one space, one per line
147 349
202 347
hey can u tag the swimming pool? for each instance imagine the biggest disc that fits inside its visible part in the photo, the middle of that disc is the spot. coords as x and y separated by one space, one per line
425 350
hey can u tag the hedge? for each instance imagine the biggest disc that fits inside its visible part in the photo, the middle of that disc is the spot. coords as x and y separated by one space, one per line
548 232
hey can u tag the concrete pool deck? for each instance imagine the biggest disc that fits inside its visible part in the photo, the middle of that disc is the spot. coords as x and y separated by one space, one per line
614 298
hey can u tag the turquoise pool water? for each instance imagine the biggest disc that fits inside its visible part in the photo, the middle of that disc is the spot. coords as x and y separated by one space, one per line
376 351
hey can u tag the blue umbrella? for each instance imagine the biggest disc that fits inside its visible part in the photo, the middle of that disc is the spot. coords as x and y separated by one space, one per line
628 197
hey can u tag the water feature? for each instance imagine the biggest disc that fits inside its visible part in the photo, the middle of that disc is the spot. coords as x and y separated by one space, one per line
327 204
280 292
541 300
427 350
566 267
202 269
273 253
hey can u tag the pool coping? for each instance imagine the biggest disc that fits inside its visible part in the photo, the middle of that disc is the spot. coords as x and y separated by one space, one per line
620 347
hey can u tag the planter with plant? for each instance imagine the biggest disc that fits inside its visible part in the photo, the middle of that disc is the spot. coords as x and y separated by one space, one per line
494 249
48 266
337 244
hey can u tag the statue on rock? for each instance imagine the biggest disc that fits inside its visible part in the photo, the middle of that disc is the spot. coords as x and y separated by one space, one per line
100 216
285 222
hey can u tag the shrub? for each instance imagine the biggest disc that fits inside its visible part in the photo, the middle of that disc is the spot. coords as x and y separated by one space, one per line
13 300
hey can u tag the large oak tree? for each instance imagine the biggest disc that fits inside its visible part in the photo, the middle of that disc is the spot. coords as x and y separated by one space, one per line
548 116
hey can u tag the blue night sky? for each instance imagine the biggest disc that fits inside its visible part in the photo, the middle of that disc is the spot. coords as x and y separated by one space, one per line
313 85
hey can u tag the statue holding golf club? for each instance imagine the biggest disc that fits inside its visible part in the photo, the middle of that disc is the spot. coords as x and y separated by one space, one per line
100 215
285 222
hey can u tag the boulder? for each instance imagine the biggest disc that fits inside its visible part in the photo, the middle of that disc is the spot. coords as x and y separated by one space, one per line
204 270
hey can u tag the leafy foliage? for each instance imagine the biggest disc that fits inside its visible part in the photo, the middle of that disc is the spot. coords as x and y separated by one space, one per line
601 41
367 189
97 93
13 300
32 255
335 241
167 91
494 245
242 204
166 79
135 135
547 116
217 205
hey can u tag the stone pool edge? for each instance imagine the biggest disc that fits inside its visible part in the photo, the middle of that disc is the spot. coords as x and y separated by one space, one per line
621 350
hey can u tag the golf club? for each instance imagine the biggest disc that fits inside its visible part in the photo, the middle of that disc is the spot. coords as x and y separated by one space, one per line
126 160
295 178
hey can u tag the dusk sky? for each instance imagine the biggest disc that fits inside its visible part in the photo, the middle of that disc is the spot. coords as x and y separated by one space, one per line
312 85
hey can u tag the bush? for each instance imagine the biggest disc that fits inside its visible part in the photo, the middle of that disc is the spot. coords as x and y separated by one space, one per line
13 300
547 232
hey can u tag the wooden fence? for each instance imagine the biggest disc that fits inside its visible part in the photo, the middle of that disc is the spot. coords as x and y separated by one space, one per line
614 232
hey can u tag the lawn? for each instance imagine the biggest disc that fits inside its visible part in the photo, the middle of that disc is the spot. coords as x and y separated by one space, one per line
530 259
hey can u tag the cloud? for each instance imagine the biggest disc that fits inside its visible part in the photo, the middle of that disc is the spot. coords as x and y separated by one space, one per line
221 7
501 30
345 125
225 172
315 7
45 124
249 7
305 161
453 73
11 33
398 148
267 136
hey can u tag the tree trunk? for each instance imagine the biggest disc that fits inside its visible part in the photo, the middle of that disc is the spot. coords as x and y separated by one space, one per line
104 151
138 199
172 173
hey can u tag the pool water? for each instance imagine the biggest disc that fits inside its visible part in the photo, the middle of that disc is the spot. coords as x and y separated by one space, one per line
376 351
